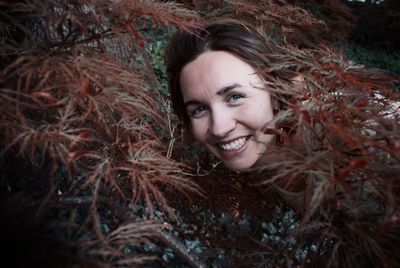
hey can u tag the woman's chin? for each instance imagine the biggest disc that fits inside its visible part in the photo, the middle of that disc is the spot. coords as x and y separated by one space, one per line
239 166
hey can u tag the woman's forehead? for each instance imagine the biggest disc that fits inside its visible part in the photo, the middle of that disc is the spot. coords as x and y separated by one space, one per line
215 70
212 73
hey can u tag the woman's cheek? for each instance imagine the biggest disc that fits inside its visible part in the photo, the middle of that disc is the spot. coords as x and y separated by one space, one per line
199 130
259 113
252 117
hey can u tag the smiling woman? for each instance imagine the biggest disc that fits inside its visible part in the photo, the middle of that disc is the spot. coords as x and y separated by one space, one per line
228 108
219 93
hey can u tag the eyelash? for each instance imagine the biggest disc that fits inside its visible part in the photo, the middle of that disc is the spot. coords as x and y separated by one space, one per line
195 111
230 99
234 98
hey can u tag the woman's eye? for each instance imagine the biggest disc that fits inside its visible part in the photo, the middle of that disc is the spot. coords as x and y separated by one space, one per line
234 98
198 110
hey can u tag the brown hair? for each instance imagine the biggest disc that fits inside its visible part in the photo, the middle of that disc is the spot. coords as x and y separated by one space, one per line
235 37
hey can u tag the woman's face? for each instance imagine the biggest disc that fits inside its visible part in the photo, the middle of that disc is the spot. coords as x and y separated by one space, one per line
228 108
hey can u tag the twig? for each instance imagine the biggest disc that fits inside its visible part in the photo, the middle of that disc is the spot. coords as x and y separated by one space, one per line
71 201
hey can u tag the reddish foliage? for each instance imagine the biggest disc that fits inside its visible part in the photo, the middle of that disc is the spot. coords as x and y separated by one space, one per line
74 98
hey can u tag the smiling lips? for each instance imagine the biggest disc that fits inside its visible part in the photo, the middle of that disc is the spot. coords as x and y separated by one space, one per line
234 145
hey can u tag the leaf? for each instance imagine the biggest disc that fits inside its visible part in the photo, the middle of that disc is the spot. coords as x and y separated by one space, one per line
360 163
387 224
362 103
46 95
72 156
85 87
77 154
142 40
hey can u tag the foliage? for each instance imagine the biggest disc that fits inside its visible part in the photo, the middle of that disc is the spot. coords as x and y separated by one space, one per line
79 110
349 121
374 58
350 161
89 140
48 242
336 15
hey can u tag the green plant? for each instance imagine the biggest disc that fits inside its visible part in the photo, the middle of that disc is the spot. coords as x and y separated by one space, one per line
374 58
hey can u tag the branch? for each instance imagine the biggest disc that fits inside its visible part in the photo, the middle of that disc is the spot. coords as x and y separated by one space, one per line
180 248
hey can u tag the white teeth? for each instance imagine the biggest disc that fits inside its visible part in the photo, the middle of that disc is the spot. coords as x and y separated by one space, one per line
234 145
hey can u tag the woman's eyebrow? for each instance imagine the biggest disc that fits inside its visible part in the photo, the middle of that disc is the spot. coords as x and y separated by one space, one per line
222 91
191 102
225 89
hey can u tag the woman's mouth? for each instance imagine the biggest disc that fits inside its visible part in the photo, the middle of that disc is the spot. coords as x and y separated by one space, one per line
234 145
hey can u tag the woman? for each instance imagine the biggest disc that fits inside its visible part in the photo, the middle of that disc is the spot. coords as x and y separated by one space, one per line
220 94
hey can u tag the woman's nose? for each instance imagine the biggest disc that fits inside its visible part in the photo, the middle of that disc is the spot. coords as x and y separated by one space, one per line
222 123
